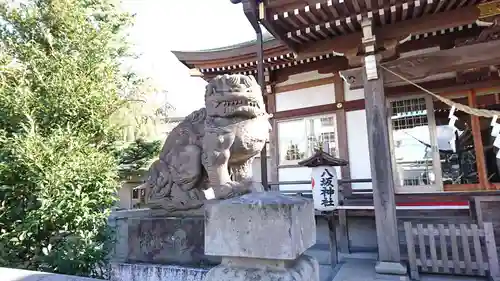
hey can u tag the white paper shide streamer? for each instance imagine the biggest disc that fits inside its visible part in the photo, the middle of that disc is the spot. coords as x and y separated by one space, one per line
452 120
495 130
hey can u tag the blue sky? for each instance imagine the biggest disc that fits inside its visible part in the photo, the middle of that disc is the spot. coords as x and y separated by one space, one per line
165 25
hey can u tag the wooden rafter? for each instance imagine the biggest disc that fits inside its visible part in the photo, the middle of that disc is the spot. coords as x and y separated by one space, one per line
281 59
345 17
431 23
277 32
421 66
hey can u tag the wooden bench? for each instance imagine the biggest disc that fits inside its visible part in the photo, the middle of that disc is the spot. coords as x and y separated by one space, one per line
473 250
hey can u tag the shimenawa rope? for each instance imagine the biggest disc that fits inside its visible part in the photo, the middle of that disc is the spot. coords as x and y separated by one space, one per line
467 109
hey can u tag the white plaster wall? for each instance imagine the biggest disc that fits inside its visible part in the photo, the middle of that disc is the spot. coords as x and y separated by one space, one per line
359 155
304 77
353 94
294 174
307 97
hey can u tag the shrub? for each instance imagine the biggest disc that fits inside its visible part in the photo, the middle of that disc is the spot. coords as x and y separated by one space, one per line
60 81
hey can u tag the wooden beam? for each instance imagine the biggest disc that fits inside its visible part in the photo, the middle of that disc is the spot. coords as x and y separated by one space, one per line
381 169
482 172
343 149
273 136
307 111
442 87
384 202
343 144
304 85
421 66
277 31
430 23
333 240
332 64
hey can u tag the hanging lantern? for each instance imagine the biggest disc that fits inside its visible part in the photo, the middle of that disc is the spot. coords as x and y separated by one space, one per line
324 179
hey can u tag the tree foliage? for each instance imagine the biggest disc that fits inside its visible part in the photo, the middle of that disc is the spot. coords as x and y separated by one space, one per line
146 112
137 154
60 83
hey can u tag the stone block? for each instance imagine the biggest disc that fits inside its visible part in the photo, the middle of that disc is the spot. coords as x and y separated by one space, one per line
155 272
392 268
150 236
264 225
305 268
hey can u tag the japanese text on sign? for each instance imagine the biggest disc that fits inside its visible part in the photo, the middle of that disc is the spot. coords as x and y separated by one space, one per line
327 188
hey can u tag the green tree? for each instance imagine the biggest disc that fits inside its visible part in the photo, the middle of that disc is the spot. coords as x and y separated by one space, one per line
60 82
137 155
145 113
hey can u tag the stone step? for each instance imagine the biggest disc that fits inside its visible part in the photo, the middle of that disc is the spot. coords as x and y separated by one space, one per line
321 253
345 257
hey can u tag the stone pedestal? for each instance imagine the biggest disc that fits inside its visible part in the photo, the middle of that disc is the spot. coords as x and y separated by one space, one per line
261 236
154 272
154 237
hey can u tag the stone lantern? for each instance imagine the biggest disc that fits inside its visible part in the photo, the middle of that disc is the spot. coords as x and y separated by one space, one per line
324 180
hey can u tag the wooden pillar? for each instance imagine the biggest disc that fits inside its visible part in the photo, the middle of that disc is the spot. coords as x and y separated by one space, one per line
343 148
273 137
389 256
478 145
334 258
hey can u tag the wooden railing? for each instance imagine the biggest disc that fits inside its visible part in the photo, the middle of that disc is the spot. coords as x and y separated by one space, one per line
473 250
308 192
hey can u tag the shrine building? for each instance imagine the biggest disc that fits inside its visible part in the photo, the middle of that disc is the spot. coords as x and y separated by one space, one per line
375 81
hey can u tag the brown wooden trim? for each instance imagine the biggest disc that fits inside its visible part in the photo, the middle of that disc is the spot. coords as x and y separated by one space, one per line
462 187
445 41
354 105
304 85
343 144
343 149
339 88
321 109
285 166
306 111
245 49
271 97
274 151
424 65
478 143
445 86
273 136
330 65
472 187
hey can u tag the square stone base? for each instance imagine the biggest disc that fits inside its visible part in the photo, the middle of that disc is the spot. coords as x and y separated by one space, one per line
388 271
155 272
305 268
154 237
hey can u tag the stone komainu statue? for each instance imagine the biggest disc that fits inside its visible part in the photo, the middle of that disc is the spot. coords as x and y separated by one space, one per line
212 148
